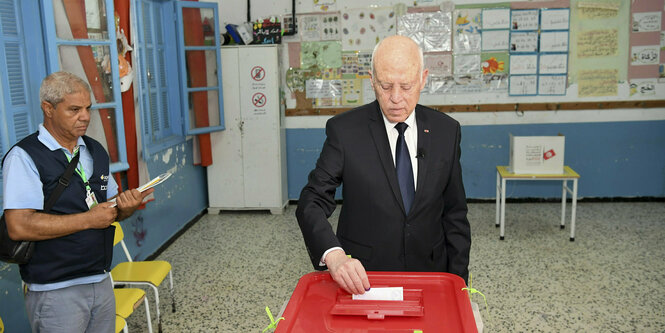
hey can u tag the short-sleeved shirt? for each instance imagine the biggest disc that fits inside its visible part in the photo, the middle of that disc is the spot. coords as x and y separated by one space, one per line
22 188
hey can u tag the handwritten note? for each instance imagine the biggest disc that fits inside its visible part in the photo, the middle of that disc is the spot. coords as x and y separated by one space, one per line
597 10
523 85
552 85
644 55
524 42
601 82
496 18
553 63
467 63
495 40
597 43
554 41
554 19
524 19
523 64
645 22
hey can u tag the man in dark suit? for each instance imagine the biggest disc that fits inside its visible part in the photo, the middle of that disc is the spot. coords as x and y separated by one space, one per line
404 204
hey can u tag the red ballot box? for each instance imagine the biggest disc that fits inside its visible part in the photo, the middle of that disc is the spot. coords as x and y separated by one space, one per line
433 302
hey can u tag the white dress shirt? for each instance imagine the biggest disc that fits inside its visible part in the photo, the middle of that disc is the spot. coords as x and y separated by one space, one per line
411 137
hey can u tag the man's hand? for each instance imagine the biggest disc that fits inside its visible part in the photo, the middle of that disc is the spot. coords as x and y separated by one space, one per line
128 201
101 216
347 272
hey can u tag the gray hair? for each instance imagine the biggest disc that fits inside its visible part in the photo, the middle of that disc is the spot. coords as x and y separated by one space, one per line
420 56
57 85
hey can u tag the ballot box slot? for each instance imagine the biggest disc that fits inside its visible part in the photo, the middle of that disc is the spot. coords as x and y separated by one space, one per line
411 306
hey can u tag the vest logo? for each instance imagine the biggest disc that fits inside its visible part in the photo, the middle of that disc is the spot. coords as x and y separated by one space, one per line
105 178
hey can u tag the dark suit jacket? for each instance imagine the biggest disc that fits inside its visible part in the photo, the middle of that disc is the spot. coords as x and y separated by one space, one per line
373 226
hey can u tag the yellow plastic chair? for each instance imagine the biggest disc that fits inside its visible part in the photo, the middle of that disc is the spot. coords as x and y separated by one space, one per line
148 273
127 300
120 325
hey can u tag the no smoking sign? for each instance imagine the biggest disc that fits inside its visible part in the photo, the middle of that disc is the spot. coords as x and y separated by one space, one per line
259 100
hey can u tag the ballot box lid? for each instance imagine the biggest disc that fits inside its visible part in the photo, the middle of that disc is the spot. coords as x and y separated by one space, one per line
433 302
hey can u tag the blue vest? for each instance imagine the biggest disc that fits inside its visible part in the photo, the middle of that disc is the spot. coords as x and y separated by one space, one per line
80 254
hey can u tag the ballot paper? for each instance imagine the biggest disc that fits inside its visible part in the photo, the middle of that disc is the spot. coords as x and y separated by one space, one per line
152 183
382 294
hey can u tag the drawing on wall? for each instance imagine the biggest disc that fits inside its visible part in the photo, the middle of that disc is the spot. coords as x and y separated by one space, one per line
494 63
495 67
363 28
467 31
321 54
325 5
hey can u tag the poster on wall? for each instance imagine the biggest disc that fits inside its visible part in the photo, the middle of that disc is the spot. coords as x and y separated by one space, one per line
363 28
466 31
646 22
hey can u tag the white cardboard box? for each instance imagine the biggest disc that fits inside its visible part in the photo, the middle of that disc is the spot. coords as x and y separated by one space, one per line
536 154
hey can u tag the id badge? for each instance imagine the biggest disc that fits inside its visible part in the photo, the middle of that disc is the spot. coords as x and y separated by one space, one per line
91 200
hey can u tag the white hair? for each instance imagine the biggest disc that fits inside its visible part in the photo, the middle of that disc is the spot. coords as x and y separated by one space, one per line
57 85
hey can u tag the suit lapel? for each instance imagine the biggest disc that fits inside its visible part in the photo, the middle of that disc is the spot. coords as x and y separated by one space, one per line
423 152
378 131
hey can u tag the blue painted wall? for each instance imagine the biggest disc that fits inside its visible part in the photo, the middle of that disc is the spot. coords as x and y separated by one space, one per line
614 159
177 201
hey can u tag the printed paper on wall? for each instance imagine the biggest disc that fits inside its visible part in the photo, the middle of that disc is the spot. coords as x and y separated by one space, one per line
524 19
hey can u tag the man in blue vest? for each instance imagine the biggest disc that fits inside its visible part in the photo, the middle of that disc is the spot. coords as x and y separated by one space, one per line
67 278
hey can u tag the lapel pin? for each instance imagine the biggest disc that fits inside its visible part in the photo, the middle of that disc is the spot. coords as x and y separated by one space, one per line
426 131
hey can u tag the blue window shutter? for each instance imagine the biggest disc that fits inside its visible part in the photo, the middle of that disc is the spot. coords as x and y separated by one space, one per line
158 78
15 83
15 101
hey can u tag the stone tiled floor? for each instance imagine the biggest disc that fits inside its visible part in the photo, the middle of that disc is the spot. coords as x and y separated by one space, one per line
229 267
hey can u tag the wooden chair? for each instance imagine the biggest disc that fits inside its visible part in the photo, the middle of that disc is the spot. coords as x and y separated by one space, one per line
147 273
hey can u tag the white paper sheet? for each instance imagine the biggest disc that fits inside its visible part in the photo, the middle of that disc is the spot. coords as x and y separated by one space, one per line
382 294
524 19
495 40
555 19
523 64
496 18
554 41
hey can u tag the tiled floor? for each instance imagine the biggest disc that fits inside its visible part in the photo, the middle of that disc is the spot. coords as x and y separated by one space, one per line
229 267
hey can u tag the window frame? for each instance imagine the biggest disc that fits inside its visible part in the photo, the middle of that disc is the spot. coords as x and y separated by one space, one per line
182 49
53 43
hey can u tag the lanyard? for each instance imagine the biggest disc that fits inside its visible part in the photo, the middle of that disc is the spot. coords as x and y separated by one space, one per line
79 171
